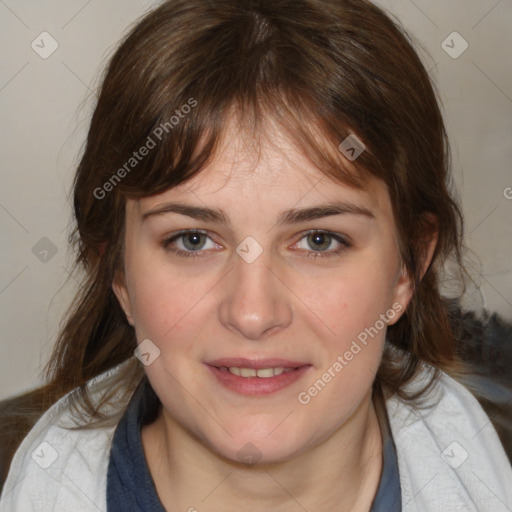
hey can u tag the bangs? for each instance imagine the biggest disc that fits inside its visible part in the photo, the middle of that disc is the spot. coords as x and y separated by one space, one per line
178 148
161 128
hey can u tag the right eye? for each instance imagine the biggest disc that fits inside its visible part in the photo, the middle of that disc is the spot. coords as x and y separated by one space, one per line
187 243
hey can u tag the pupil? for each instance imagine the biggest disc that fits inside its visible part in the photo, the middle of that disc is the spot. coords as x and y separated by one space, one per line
320 239
193 239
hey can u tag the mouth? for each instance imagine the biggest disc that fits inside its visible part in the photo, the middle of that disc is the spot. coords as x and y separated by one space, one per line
257 377
262 373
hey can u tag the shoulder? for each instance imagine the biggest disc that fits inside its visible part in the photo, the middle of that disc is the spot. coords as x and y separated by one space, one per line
449 454
18 415
60 467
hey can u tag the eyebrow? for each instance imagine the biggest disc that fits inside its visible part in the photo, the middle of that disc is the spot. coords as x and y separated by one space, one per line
292 216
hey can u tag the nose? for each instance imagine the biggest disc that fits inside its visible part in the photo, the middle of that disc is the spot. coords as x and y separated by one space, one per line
255 301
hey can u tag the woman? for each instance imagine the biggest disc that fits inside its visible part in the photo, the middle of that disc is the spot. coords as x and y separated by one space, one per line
263 212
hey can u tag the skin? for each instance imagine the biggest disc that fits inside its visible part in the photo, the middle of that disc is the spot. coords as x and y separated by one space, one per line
325 455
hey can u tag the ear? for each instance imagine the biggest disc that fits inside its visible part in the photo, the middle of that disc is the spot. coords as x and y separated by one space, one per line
404 283
121 292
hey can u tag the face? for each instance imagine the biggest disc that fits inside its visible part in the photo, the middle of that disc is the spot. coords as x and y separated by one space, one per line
269 268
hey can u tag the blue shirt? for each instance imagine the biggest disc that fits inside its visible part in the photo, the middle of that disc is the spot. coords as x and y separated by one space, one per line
130 486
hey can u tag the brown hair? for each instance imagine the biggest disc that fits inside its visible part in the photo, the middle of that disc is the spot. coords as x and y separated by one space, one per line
329 67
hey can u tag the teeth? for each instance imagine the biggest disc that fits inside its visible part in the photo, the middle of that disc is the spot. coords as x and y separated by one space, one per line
247 372
262 372
265 372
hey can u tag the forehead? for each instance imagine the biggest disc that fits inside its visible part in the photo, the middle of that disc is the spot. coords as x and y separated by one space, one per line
265 171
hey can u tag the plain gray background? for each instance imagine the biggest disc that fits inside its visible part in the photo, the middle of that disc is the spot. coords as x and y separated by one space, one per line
46 104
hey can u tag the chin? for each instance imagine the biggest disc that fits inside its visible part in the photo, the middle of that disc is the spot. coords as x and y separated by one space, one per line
253 450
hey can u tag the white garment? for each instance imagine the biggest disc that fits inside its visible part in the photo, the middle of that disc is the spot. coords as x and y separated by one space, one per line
449 456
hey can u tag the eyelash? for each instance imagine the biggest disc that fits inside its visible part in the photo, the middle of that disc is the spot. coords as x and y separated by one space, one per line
166 244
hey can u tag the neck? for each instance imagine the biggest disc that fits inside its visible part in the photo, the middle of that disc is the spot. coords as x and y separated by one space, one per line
341 473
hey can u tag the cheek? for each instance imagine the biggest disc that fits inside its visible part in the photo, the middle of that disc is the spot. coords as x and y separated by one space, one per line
351 355
352 302
172 307
161 298
349 300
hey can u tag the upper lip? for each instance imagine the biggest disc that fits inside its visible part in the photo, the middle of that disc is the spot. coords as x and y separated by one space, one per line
257 364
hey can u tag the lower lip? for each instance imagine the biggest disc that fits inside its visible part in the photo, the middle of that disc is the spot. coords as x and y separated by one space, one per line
255 386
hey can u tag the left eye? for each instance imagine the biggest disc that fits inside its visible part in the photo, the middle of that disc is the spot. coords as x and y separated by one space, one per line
321 241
